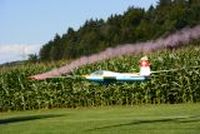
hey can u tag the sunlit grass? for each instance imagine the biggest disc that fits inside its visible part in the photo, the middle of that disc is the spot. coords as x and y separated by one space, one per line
165 119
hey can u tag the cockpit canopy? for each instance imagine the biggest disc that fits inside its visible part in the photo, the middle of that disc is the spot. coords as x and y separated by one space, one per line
104 73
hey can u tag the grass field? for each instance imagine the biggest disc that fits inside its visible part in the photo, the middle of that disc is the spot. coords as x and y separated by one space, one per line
143 119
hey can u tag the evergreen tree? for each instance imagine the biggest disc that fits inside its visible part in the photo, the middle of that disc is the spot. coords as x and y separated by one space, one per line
162 3
134 25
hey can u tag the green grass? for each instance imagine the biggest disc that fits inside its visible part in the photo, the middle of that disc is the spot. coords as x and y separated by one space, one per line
143 119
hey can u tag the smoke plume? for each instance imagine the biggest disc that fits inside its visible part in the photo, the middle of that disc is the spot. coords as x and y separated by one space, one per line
174 40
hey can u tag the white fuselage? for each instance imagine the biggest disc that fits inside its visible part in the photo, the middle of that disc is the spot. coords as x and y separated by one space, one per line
114 76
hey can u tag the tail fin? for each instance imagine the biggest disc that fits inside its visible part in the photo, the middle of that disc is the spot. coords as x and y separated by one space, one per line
145 69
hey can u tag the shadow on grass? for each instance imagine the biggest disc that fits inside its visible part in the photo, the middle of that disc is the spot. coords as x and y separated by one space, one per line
189 119
27 118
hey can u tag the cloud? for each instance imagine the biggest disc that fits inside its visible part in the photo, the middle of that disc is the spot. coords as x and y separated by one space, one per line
15 52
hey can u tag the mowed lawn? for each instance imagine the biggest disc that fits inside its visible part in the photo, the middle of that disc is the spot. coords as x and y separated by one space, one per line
142 119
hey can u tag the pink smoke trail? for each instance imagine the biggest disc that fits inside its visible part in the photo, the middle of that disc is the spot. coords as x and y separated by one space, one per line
176 39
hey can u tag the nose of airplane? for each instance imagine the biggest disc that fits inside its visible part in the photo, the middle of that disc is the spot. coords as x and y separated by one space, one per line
85 76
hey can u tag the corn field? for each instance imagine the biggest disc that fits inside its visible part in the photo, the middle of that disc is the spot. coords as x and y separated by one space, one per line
181 86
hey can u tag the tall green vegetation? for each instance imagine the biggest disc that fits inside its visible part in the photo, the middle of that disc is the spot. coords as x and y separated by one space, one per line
19 93
134 25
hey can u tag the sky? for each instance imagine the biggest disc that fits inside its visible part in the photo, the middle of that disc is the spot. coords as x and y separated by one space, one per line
26 25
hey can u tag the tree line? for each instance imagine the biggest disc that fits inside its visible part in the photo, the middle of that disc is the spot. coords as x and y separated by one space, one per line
134 25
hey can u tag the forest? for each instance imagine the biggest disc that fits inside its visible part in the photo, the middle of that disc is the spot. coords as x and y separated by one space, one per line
134 25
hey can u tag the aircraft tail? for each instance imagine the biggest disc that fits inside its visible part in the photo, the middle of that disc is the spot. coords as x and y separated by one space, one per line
145 69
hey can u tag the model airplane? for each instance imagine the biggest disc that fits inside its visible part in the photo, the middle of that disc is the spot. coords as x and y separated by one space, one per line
104 76
109 76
